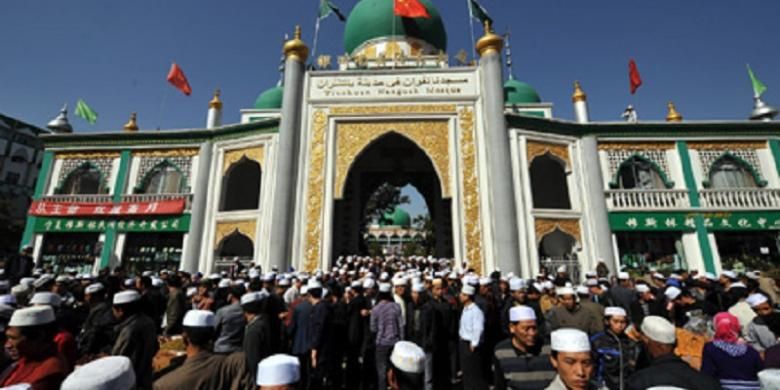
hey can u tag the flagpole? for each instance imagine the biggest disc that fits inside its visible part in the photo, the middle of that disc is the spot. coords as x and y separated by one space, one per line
162 105
316 38
471 28
392 39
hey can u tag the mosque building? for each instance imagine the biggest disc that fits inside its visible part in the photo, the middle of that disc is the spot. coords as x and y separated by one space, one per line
508 184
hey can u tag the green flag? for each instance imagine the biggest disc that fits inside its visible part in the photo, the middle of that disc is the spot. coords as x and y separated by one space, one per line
478 12
758 86
327 8
84 111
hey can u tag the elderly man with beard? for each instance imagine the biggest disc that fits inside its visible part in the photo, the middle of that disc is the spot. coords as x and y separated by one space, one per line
764 330
521 362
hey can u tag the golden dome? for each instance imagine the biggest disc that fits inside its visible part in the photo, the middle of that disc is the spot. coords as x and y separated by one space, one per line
673 115
578 95
490 42
215 102
296 48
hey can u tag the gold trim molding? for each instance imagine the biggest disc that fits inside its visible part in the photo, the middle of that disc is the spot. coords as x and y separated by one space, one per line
85 155
433 137
166 153
224 229
636 146
255 153
726 145
544 226
394 109
471 217
536 149
315 191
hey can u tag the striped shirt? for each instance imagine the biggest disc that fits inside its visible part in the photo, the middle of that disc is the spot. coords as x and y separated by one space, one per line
516 369
387 323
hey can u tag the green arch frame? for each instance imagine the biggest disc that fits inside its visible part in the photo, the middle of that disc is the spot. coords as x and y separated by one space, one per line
141 187
760 182
660 172
85 164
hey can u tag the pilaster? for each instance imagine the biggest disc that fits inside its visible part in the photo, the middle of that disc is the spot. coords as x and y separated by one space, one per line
44 175
119 189
596 203
693 195
191 253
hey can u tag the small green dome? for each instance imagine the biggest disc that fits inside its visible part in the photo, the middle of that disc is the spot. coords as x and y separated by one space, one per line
270 99
518 92
398 217
371 19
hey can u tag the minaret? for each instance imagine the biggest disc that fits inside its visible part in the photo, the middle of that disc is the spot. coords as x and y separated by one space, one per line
283 214
501 193
673 115
214 118
580 101
762 111
131 125
60 123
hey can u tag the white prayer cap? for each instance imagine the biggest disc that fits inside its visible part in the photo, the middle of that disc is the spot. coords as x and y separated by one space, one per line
658 329
642 288
604 287
658 275
752 275
199 319
45 278
569 340
191 291
284 282
591 274
127 296
672 292
769 378
623 276
46 298
710 276
484 281
564 291
304 289
20 289
314 283
591 283
278 370
408 357
254 296
356 284
27 281
147 273
521 313
215 276
756 299
108 373
472 280
561 269
548 285
418 287
224 283
729 274
369 283
157 282
32 316
253 273
93 288
129 282
399 282
468 289
737 285
516 284
452 275
269 277
7 299
385 287
384 276
63 279
18 386
614 311
582 290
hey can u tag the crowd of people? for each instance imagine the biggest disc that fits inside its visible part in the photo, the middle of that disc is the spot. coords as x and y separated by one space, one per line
386 322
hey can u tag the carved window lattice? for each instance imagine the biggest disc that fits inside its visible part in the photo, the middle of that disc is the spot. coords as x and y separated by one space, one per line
618 157
105 165
149 163
708 157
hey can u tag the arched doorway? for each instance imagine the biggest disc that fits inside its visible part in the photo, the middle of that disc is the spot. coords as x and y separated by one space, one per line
395 160
236 246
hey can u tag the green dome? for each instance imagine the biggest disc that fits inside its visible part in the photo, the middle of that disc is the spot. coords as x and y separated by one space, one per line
518 92
398 217
371 19
270 99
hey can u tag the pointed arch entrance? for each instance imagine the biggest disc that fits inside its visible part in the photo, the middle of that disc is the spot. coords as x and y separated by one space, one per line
397 160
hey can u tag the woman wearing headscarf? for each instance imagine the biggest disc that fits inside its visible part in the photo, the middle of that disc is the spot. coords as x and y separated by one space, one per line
729 359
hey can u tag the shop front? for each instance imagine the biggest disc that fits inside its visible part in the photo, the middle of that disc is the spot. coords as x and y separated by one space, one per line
151 251
77 252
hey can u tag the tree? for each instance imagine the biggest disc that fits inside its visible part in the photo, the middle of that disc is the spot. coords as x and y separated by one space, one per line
424 224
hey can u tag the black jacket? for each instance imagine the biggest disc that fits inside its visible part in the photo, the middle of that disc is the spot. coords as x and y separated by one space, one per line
612 353
670 370
655 308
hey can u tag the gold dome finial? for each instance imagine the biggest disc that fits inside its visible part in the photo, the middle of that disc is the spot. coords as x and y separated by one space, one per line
490 42
296 48
215 102
131 124
578 95
673 115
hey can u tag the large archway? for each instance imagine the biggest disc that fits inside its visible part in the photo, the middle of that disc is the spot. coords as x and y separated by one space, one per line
396 160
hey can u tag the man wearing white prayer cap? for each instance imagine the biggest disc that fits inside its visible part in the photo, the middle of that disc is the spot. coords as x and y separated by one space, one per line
108 373
571 357
471 333
137 337
406 367
521 361
761 331
30 342
570 314
257 344
278 372
616 354
98 328
666 369
202 369
518 296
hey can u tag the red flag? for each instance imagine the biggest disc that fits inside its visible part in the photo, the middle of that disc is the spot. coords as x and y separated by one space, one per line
177 78
633 76
410 9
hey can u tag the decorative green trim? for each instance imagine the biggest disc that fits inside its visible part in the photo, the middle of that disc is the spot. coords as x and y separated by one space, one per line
44 175
86 164
119 188
774 146
739 160
660 172
144 182
693 195
108 248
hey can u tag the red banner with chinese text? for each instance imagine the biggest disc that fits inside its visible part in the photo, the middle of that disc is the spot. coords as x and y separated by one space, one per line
53 209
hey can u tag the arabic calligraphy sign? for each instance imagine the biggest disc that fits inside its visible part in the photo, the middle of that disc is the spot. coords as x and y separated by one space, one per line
394 86
673 221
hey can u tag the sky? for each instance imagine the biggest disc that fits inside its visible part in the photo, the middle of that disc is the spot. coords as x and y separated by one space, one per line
115 55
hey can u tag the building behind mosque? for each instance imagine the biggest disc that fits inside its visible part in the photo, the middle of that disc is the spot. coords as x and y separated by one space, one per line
508 184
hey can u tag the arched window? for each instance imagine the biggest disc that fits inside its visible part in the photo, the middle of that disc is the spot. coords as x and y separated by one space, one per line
549 185
637 173
728 172
236 245
241 186
556 245
165 178
83 180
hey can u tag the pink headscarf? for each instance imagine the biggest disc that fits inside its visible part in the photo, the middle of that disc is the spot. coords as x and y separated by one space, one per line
726 327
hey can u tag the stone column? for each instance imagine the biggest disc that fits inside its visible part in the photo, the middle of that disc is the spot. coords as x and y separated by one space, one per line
295 52
192 253
503 214
596 202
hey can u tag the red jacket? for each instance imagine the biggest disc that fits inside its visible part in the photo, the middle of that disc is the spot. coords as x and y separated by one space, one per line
46 373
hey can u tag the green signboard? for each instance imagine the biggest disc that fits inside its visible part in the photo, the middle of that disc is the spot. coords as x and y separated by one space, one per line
160 224
688 221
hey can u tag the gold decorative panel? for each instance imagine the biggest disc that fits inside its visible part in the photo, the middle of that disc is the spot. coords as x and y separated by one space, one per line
255 153
166 153
224 229
636 146
471 217
431 136
544 226
536 149
86 155
726 145
393 109
315 191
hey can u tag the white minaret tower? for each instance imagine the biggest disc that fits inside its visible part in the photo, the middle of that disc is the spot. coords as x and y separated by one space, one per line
214 118
580 101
